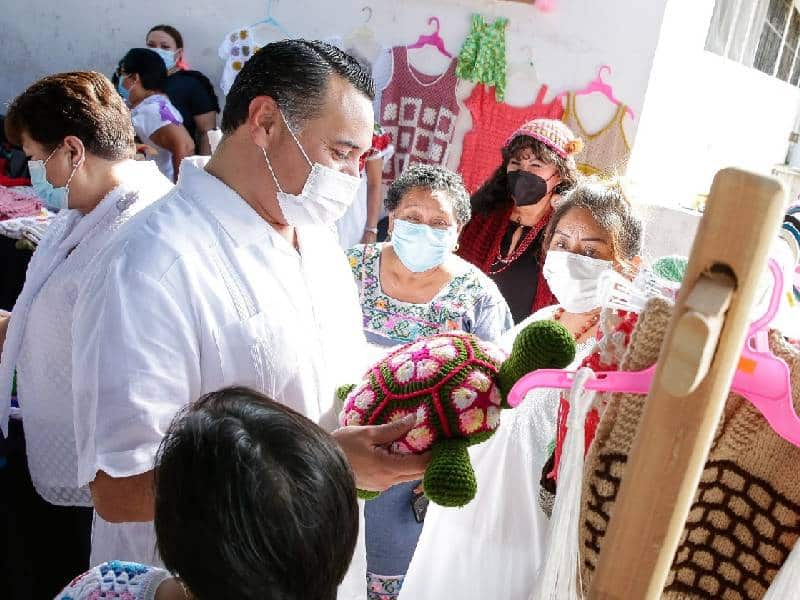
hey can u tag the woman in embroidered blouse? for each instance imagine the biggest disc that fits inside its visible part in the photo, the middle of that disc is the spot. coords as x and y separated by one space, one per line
410 287
512 209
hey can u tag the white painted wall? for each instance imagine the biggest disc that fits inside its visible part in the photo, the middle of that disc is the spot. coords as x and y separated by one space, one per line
703 112
567 45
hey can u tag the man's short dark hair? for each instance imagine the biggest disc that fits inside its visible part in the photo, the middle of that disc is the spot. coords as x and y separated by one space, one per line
148 65
253 501
295 74
80 103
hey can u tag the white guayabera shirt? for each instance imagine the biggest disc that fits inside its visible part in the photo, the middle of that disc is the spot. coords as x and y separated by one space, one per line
201 294
39 340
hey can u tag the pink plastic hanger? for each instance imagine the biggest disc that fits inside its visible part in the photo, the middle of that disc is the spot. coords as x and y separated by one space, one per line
761 377
433 39
598 85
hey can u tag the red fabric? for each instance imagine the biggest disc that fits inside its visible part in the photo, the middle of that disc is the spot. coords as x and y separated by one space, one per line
594 362
419 112
7 181
380 141
480 241
492 123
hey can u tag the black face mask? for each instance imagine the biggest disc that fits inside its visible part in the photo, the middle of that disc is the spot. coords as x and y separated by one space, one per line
526 188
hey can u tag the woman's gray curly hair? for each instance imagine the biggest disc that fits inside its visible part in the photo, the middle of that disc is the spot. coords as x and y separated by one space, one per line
434 179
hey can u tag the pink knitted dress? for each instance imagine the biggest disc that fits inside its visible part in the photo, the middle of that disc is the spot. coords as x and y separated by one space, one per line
492 123
419 112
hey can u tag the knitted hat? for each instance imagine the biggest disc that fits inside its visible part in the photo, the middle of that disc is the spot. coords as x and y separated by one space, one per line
553 134
746 514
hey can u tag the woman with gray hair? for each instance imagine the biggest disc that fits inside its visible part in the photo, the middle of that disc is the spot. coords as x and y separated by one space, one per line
411 287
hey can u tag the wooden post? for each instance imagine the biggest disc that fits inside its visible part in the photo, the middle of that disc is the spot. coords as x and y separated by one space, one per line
695 369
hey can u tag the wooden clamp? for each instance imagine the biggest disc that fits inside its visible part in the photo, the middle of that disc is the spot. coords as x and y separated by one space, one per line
692 380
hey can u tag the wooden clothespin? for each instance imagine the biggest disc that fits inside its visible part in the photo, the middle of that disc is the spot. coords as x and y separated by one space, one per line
693 377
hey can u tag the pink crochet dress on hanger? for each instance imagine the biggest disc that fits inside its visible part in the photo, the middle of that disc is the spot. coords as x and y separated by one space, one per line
419 112
492 123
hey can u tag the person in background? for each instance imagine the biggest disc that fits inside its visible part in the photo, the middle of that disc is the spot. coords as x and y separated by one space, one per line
510 212
592 230
190 91
275 496
235 278
412 287
156 121
359 225
81 165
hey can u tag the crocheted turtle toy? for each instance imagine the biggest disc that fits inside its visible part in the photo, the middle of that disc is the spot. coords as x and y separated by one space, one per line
456 385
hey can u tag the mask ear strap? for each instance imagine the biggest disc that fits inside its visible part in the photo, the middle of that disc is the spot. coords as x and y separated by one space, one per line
296 141
272 172
51 154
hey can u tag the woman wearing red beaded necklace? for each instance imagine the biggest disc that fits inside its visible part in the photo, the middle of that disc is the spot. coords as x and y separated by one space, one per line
512 209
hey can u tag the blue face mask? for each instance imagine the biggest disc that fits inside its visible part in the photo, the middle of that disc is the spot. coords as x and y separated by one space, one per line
123 91
421 247
54 198
168 56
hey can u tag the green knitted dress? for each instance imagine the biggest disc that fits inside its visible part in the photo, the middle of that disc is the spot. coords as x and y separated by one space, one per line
483 57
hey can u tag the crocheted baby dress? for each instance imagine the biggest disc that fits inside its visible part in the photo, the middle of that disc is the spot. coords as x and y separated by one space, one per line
492 124
606 151
419 112
745 518
455 384
483 56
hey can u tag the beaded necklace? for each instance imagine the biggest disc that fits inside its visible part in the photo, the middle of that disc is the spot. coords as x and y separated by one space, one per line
522 246
589 324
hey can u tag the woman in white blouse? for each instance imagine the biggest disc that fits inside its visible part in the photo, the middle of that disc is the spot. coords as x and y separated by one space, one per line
156 121
77 132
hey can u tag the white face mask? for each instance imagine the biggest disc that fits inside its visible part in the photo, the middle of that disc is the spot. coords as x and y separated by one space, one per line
326 195
574 279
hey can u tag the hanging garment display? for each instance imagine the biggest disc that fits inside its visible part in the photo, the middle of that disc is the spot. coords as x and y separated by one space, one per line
606 151
492 124
745 519
483 57
419 112
237 48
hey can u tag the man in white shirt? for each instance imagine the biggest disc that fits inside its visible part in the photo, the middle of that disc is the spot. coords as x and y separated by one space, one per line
235 277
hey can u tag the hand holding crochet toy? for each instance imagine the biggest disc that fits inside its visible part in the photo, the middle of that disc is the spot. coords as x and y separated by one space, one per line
456 385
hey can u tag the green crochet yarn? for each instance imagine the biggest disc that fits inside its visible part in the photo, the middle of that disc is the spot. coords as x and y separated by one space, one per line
671 268
449 479
541 345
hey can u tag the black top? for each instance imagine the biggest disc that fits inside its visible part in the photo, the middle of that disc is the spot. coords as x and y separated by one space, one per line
192 94
518 283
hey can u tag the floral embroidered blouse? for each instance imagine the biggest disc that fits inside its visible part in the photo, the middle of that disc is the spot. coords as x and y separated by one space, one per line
115 579
471 302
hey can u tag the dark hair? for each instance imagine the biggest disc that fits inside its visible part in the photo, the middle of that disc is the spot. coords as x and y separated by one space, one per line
295 74
171 32
80 103
494 192
148 65
434 179
253 501
608 204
